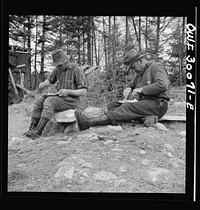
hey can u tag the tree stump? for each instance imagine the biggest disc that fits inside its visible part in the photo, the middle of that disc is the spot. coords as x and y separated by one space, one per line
65 122
53 127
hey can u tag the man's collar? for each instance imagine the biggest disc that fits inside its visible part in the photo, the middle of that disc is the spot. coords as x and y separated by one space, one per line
70 65
149 63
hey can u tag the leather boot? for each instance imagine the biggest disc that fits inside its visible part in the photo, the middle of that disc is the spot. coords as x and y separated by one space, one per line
149 121
38 130
85 122
34 122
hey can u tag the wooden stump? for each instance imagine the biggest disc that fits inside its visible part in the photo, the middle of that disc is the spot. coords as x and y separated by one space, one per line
65 122
53 127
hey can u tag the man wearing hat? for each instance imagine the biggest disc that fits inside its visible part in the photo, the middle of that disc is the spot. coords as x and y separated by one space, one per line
70 82
151 88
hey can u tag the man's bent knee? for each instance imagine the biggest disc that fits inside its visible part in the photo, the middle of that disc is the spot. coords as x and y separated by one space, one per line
50 102
39 101
113 105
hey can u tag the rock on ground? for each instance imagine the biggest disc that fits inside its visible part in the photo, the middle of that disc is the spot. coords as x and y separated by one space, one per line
144 162
108 129
160 127
104 176
108 142
66 171
156 174
169 147
182 133
119 182
142 152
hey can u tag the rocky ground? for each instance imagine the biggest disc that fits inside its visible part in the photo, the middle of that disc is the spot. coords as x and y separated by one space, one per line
128 158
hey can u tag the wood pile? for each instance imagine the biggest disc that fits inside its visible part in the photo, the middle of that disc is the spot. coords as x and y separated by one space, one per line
92 75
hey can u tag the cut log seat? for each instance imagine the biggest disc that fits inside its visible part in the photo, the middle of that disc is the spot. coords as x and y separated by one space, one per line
173 118
66 122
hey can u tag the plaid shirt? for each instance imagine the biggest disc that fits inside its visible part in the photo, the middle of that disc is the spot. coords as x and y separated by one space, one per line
72 78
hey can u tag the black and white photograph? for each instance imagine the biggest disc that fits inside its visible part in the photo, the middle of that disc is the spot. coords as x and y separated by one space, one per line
100 104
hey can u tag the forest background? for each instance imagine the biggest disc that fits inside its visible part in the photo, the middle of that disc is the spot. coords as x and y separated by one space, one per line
100 41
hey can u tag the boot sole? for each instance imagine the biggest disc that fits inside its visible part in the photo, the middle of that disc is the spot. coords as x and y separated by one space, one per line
150 121
28 134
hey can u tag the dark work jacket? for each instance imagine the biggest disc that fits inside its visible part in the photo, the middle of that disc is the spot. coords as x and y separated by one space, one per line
154 81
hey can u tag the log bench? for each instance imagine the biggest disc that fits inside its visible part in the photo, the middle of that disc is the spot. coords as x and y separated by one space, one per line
65 121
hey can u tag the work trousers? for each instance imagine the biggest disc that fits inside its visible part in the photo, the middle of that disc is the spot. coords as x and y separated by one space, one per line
125 112
46 106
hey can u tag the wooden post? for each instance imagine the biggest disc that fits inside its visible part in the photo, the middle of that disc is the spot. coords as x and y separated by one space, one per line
21 74
13 82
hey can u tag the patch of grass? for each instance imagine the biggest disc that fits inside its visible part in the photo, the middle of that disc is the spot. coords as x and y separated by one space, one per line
178 94
176 126
16 176
178 109
174 110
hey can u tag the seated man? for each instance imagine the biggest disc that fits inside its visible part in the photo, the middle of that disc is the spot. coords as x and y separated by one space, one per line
71 84
150 84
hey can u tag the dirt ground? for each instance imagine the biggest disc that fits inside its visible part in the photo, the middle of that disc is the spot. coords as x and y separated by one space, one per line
128 158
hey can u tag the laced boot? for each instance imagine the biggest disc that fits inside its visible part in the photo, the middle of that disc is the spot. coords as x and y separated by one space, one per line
34 122
38 130
85 122
149 121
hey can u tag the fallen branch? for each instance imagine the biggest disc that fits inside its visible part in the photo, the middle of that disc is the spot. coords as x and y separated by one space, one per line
28 92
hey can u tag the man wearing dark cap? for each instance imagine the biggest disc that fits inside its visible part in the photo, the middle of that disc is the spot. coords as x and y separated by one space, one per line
151 88
70 82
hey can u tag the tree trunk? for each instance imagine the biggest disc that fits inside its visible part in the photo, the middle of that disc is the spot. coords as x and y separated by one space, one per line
135 30
92 41
60 32
182 50
109 41
36 33
95 47
126 36
114 48
79 44
146 34
24 38
89 41
157 38
29 50
83 44
42 48
79 53
139 36
98 57
104 38
83 47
